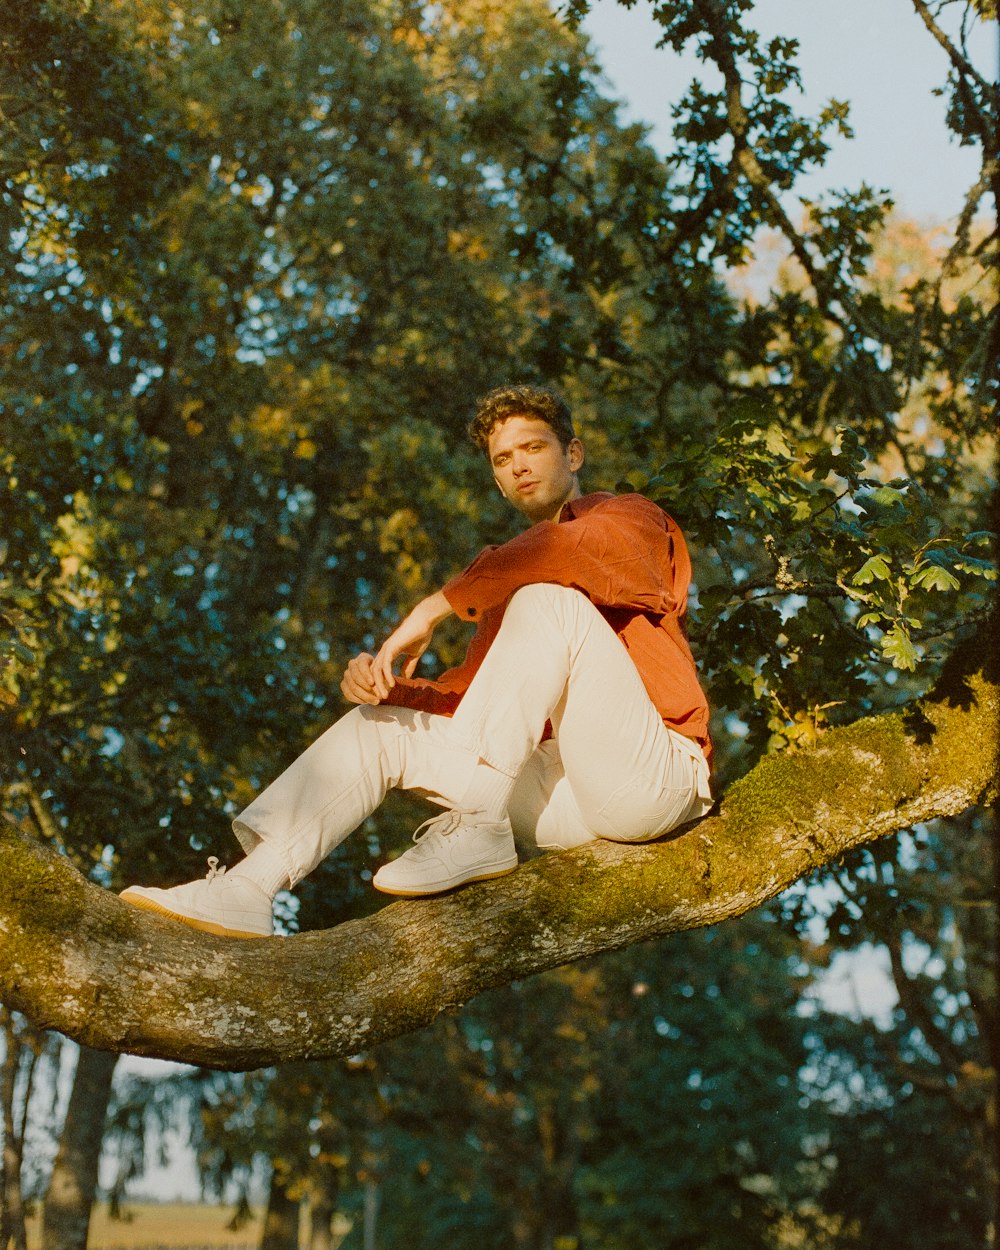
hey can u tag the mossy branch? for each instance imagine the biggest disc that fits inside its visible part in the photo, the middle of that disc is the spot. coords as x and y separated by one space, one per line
75 959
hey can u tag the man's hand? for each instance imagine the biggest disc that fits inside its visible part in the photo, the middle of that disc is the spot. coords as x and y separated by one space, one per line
357 685
368 678
410 638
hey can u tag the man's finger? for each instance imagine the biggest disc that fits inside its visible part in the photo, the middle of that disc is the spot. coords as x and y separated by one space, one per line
360 670
358 684
353 691
382 673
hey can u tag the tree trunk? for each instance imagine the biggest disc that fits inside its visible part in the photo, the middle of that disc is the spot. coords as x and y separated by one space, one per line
70 1197
373 1200
12 1230
560 1220
559 1217
281 1223
322 1210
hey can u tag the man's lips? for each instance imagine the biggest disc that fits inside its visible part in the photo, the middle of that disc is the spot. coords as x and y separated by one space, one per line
522 486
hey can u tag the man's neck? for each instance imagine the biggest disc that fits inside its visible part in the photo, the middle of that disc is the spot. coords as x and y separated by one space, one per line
575 493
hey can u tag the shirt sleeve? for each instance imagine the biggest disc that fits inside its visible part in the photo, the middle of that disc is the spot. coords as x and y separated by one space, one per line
622 552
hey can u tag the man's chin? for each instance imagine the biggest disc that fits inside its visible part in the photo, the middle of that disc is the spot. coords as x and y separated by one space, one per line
531 508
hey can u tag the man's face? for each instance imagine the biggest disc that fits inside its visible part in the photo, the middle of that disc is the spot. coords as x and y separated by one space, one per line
534 472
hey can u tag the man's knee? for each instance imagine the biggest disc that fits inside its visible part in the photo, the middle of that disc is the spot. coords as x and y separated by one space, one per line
539 598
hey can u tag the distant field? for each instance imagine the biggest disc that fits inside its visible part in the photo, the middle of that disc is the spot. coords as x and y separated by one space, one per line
171 1226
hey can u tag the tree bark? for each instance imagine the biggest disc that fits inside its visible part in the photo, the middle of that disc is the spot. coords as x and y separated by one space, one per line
70 1195
74 958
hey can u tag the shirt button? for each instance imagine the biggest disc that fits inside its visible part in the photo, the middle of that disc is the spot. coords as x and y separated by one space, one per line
472 611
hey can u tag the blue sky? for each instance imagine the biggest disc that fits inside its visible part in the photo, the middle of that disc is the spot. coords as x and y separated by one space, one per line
874 53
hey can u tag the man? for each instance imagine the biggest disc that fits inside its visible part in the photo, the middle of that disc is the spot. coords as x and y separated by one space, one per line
576 714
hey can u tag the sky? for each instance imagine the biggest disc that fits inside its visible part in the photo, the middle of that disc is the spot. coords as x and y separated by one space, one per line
876 54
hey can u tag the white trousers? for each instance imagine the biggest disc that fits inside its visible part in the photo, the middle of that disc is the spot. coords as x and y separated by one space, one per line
611 770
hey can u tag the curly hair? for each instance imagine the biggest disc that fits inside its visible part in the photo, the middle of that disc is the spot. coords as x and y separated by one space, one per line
520 401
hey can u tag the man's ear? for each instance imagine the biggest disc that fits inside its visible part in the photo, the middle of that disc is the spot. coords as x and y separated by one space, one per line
576 454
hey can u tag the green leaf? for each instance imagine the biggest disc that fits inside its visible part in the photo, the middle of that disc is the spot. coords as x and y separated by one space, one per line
875 567
933 577
776 443
978 568
898 647
889 497
712 598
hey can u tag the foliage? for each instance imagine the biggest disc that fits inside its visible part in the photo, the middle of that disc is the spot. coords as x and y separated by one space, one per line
234 443
821 577
910 1095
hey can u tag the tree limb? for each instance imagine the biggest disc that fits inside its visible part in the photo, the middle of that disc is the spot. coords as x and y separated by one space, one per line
961 63
74 958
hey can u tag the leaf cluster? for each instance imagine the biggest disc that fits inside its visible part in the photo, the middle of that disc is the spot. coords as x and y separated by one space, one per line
817 581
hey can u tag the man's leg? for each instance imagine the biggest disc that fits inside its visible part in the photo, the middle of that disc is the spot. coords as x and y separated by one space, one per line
343 777
618 772
311 807
543 809
613 770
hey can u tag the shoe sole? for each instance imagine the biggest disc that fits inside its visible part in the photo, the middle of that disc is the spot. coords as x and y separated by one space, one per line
442 889
205 926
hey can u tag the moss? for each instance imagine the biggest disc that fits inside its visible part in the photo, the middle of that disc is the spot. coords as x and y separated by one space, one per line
964 743
587 894
37 882
950 738
873 757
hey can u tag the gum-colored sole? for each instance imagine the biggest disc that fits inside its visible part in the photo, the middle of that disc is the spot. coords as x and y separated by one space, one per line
443 889
205 926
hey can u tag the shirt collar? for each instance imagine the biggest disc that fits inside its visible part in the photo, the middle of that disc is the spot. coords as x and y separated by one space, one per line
574 508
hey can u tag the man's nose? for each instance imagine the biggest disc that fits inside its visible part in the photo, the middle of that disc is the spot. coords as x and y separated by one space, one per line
520 465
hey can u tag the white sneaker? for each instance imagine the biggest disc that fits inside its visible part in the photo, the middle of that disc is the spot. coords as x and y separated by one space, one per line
450 850
229 906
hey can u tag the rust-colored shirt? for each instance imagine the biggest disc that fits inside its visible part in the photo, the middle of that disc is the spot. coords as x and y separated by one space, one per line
630 559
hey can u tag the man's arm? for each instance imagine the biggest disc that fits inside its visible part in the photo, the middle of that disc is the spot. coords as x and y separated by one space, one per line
368 679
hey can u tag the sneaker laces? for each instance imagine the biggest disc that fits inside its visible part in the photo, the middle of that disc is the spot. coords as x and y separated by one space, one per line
213 868
448 822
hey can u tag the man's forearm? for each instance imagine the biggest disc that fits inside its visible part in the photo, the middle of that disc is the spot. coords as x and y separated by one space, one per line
411 639
434 609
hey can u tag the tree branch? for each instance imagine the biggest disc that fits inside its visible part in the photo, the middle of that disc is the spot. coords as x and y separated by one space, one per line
960 62
74 958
